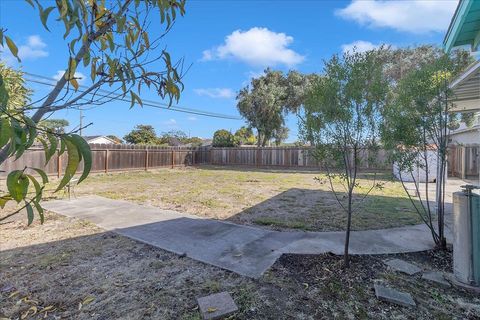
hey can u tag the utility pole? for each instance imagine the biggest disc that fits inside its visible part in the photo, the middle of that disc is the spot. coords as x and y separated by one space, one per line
81 121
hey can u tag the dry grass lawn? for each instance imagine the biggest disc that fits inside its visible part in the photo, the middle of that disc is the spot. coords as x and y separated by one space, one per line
276 199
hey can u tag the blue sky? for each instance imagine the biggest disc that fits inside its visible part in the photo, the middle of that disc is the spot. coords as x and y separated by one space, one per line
228 42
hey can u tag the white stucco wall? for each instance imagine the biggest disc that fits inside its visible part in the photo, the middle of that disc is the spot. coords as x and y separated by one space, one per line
419 174
467 137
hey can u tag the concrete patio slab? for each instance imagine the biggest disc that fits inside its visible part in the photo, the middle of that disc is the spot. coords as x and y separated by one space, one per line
403 266
242 249
216 306
394 296
436 277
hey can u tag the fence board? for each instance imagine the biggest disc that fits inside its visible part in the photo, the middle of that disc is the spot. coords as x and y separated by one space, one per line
106 158
282 157
463 161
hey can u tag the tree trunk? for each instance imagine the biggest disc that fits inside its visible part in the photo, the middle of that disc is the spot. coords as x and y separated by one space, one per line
440 199
440 183
346 257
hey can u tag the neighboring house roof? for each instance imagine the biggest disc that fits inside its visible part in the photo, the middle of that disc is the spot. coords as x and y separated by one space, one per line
95 139
88 138
464 27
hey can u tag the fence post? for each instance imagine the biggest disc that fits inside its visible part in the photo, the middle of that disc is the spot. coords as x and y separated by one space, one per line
173 159
211 156
257 156
106 160
463 162
146 158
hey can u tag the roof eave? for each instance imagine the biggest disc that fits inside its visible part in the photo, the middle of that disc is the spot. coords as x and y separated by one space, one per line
456 24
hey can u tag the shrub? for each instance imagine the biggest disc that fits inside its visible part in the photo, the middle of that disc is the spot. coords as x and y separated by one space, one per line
223 138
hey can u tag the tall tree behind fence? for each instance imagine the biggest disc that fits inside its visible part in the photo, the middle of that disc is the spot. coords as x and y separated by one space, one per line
111 157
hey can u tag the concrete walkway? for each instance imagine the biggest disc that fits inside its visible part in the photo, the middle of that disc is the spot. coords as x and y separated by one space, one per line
242 249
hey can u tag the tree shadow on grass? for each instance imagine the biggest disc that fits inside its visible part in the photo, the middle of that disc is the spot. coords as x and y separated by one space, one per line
385 174
319 210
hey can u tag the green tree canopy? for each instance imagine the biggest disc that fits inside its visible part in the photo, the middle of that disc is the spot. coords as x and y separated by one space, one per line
142 134
245 135
344 107
280 135
223 138
194 141
18 93
418 121
55 125
269 98
173 138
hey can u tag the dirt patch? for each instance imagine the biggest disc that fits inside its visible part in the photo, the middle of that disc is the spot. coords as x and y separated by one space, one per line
67 268
273 199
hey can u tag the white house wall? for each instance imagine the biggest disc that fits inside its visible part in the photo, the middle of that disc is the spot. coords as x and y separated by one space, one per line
419 174
467 137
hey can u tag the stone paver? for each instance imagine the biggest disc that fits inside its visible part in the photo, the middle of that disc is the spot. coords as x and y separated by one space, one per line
403 266
242 249
436 277
394 296
216 306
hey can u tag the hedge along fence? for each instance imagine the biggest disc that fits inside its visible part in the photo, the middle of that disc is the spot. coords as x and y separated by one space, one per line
110 157
286 157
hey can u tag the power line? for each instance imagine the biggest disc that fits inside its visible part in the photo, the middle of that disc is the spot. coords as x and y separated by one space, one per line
149 103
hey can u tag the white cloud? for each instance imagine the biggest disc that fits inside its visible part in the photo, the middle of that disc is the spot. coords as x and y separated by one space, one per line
258 47
192 118
78 75
224 93
33 49
359 46
415 16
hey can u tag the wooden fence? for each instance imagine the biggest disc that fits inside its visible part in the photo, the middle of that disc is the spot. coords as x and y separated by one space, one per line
463 161
300 157
109 158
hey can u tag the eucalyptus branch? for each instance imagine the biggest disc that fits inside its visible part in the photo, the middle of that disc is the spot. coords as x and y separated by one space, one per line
27 203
